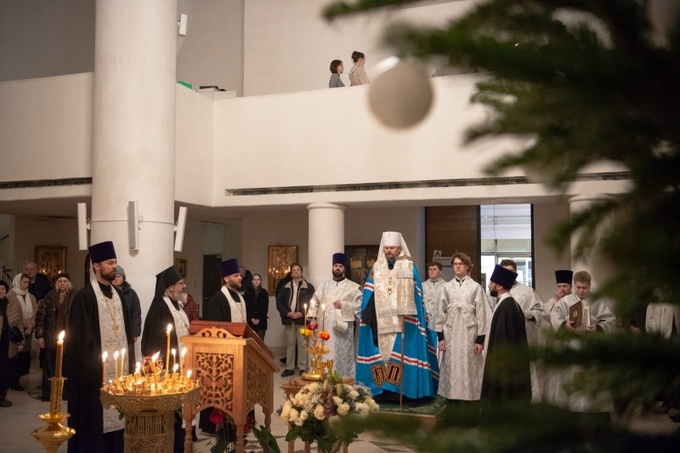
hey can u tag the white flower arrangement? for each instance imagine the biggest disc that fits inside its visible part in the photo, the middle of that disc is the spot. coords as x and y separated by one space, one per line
311 412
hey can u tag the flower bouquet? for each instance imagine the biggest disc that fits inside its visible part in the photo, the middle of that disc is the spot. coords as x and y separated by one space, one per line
226 433
311 413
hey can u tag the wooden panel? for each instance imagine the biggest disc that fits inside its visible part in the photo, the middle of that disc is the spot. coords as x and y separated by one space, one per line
453 229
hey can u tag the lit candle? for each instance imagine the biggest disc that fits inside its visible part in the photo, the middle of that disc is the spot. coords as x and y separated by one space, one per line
122 362
167 351
153 361
174 354
188 374
323 316
138 368
175 367
115 365
60 353
182 359
104 356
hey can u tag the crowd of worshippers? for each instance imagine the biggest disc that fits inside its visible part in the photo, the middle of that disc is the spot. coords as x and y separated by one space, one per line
406 339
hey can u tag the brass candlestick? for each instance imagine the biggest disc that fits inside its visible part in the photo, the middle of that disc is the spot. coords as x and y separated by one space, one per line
54 434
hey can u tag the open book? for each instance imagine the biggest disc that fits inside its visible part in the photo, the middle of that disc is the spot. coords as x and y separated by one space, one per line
576 314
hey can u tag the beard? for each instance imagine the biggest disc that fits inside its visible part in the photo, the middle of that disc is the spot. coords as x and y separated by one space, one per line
110 277
338 274
180 296
493 292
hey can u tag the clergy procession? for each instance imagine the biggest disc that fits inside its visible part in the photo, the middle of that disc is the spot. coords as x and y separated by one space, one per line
406 340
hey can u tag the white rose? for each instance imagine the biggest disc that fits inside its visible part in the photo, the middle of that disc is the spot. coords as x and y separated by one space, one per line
362 408
294 416
319 412
353 395
343 409
285 412
337 400
304 415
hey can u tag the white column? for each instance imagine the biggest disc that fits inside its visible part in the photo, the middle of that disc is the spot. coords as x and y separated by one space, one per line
134 134
326 237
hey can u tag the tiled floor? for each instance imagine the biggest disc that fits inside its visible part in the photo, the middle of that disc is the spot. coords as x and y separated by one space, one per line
18 421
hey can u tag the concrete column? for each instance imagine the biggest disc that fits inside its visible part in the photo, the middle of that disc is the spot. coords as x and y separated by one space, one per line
326 237
134 134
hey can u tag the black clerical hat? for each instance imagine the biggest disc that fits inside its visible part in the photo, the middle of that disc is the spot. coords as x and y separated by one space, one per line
340 258
102 252
504 277
166 279
229 267
564 276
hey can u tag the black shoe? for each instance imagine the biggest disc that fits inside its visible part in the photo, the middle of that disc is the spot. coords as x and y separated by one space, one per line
287 373
18 388
5 403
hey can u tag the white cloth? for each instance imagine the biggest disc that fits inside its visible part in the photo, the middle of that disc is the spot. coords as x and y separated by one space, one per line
24 301
238 310
431 300
112 332
341 343
661 317
181 321
464 315
532 308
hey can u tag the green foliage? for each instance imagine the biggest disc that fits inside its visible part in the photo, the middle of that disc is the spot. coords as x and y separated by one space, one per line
598 89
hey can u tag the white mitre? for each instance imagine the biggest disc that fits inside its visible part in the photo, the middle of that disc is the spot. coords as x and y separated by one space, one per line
393 238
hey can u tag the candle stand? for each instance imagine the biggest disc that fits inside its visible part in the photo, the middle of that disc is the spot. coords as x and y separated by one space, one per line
54 434
149 419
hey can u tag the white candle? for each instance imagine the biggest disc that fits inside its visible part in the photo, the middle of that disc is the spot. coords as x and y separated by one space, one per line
60 353
115 365
104 356
122 362
167 351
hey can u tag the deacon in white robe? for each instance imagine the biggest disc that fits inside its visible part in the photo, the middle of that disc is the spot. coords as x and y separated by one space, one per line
461 326
335 305
596 317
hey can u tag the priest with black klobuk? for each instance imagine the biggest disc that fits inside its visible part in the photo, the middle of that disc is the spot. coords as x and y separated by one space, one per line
166 309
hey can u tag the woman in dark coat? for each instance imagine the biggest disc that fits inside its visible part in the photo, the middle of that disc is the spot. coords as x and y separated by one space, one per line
257 306
51 319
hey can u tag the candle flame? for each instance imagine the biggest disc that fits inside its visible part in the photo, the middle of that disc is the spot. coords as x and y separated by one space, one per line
173 351
175 367
155 356
169 328
138 367
188 373
122 351
61 335
105 355
184 352
115 355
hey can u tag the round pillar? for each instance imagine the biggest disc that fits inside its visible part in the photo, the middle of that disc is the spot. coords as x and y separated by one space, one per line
133 156
326 237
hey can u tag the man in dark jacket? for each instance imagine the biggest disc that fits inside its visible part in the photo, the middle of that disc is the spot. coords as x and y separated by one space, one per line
290 302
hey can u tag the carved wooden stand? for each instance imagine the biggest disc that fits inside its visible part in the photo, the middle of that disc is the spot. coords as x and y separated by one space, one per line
235 370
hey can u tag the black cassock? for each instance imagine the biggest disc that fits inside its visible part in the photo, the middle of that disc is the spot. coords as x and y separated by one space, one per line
506 372
83 370
154 335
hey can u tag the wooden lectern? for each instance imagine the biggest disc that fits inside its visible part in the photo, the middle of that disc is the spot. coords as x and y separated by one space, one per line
235 369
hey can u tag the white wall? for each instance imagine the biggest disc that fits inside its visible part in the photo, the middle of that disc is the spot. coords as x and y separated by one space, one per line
41 38
546 259
46 128
289 46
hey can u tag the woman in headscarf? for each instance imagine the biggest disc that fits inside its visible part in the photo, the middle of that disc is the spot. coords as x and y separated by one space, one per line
29 308
10 316
51 319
